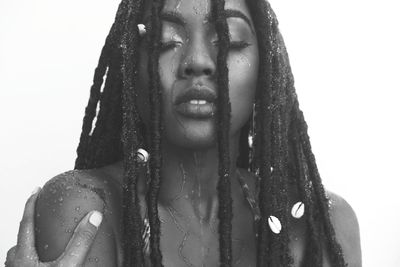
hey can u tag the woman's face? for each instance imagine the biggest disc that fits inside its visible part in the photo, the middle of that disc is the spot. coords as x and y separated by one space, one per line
187 68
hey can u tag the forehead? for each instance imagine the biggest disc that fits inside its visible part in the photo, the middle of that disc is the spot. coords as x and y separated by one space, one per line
202 8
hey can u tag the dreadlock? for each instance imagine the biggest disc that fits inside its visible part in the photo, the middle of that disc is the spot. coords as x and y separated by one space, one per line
223 121
280 127
155 128
279 155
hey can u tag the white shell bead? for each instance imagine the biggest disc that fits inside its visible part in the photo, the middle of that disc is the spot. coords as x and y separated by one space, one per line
143 155
274 224
298 210
250 141
142 29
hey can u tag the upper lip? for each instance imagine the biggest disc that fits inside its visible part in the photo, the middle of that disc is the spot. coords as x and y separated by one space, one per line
198 92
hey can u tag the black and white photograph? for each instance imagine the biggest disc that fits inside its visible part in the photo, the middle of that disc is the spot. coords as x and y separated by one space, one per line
200 133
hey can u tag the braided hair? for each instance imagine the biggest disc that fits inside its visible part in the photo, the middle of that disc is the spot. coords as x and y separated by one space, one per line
279 155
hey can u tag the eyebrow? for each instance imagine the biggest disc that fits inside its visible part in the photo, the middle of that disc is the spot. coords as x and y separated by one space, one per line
173 16
177 18
233 13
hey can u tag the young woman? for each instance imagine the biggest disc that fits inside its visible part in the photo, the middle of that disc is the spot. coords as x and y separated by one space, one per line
200 154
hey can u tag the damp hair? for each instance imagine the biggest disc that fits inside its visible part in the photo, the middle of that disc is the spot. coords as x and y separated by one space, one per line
280 154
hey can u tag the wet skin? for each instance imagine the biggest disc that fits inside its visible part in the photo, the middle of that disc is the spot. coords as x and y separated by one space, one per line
188 203
188 59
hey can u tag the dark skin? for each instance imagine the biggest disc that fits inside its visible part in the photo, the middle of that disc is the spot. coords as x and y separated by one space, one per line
188 203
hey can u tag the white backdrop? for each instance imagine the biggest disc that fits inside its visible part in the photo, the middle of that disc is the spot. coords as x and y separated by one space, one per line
345 57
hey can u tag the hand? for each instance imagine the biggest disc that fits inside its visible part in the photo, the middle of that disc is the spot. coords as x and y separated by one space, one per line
24 253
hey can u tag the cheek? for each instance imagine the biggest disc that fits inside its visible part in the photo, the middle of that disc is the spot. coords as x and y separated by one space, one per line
168 66
243 73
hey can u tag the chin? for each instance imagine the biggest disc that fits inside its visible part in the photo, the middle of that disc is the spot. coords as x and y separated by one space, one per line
195 136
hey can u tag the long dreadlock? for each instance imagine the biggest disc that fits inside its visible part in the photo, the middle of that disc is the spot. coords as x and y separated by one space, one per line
281 142
223 121
155 128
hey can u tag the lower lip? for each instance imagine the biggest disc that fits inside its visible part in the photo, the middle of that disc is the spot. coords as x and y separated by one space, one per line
196 111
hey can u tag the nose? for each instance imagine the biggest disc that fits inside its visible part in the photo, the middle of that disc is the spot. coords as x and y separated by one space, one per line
198 60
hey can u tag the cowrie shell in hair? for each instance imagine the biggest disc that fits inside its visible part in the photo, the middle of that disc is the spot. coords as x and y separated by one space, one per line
274 224
143 155
142 29
298 210
250 140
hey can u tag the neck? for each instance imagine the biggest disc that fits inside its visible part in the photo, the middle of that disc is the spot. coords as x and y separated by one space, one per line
192 175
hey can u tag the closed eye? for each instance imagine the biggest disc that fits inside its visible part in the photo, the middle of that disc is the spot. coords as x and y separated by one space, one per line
238 45
170 45
235 45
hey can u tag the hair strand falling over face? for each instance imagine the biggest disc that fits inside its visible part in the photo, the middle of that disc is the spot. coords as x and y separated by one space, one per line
280 154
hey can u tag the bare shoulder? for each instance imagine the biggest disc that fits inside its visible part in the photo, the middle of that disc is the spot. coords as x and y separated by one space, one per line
346 227
63 202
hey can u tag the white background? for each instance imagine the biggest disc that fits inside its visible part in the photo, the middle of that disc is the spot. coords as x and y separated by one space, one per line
345 58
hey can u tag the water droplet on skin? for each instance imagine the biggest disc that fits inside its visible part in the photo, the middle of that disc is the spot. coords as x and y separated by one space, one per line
73 254
46 246
78 244
76 220
178 5
77 208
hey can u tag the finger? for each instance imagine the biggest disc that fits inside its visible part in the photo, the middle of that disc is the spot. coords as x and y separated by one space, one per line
82 239
15 258
26 236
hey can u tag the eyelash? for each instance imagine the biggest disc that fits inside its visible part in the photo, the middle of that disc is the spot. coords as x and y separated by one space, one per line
236 45
170 45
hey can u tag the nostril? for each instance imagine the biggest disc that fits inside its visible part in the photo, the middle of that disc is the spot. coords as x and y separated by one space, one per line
188 71
192 71
208 72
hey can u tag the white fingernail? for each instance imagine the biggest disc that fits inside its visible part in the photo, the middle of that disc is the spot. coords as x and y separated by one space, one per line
96 218
37 189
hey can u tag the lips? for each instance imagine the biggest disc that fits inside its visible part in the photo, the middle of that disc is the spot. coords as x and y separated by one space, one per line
197 102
